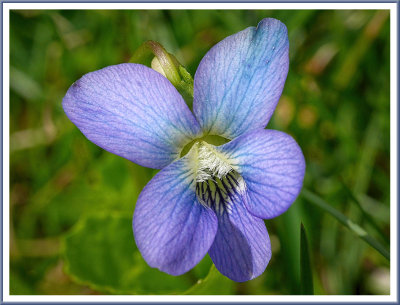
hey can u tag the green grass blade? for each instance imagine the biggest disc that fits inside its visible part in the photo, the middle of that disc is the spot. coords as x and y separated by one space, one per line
306 279
355 228
367 216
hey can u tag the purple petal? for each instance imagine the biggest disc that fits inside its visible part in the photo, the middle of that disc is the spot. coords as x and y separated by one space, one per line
131 111
241 249
239 81
172 230
272 166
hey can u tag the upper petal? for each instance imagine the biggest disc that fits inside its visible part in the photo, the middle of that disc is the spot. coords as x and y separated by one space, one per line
239 81
241 249
172 230
132 111
272 166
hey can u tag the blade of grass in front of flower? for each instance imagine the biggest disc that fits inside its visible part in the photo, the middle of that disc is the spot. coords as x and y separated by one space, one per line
355 228
306 279
213 283
367 216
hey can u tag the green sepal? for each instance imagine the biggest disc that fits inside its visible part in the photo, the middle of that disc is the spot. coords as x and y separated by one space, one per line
145 54
154 55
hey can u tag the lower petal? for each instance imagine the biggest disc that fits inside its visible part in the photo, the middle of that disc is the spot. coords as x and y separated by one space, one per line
241 249
172 230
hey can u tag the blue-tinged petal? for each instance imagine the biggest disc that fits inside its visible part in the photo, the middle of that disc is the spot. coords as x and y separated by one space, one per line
131 111
241 249
239 81
272 166
172 230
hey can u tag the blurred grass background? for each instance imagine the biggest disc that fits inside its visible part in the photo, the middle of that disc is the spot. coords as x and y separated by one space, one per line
71 202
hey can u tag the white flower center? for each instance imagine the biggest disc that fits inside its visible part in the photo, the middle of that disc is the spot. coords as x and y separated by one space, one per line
211 163
218 185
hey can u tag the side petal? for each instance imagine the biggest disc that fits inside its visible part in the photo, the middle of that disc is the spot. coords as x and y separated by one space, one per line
240 80
272 166
241 249
172 230
131 111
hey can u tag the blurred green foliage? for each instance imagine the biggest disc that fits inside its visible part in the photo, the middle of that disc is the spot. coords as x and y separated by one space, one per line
71 202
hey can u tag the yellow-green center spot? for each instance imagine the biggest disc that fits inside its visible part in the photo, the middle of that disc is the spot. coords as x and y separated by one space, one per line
210 139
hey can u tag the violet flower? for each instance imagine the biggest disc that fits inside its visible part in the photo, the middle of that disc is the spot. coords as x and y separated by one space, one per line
206 198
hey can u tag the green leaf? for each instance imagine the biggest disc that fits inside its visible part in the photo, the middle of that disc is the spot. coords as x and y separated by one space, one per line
355 228
306 279
100 252
213 283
